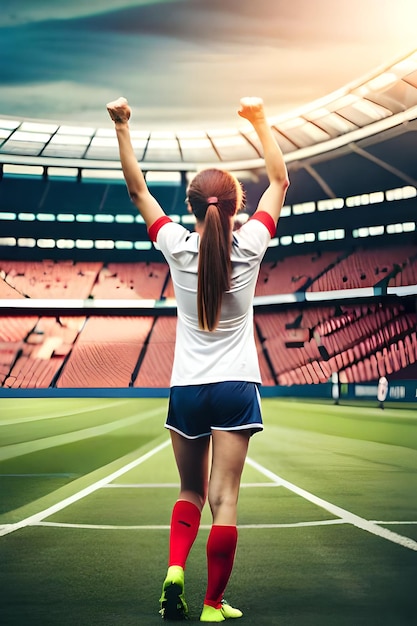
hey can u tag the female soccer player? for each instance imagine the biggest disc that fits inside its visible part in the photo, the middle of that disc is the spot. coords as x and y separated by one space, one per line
214 385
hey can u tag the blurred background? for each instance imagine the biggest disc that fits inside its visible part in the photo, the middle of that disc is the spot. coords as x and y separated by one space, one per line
86 300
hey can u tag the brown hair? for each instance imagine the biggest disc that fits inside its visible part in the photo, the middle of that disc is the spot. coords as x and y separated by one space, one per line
215 196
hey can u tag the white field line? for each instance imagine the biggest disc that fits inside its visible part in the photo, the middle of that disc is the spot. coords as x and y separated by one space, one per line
346 516
36 418
393 523
26 447
38 517
330 522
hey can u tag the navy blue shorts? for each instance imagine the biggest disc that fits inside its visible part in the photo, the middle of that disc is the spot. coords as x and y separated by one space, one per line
194 410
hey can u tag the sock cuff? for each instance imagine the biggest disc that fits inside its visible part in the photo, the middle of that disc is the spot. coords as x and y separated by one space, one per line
219 529
187 509
222 539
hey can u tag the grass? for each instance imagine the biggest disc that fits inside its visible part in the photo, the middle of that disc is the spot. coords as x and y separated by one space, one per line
294 565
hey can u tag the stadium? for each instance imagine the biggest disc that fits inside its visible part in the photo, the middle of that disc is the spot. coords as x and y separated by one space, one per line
327 516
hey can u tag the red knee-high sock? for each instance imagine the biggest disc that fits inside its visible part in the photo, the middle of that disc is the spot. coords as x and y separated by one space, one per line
185 522
221 548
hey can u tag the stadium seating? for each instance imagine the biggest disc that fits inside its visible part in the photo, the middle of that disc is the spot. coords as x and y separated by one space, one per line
363 268
51 279
155 368
131 281
302 344
106 352
293 273
406 276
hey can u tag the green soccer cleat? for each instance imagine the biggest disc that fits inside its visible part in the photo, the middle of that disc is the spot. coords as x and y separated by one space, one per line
173 604
210 614
229 612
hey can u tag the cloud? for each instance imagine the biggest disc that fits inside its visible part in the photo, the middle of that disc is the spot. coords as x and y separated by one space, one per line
189 92
182 61
61 101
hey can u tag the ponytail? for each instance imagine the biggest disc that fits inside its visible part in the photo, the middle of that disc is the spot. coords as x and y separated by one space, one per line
214 267
214 264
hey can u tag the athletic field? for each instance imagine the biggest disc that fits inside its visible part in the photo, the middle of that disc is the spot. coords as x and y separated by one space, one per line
327 524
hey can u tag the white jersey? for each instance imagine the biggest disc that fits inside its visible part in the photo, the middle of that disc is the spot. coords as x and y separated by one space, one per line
229 352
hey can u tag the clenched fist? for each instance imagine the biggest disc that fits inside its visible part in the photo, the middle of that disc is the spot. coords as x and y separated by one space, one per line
252 109
119 111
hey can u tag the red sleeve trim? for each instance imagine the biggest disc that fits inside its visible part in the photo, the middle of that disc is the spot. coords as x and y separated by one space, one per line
266 220
154 228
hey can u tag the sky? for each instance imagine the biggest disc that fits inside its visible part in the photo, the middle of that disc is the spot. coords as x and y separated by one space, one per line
184 64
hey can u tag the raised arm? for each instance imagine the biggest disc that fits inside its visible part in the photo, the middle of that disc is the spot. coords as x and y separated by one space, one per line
273 198
148 207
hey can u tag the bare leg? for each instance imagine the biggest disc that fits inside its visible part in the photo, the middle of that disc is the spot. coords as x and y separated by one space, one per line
192 458
229 454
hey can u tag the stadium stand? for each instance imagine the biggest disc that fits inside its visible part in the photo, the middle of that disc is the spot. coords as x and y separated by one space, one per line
51 279
364 268
16 328
406 276
32 350
7 291
296 345
156 363
106 352
293 273
131 281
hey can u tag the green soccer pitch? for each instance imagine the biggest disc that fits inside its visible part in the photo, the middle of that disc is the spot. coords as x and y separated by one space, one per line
327 515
